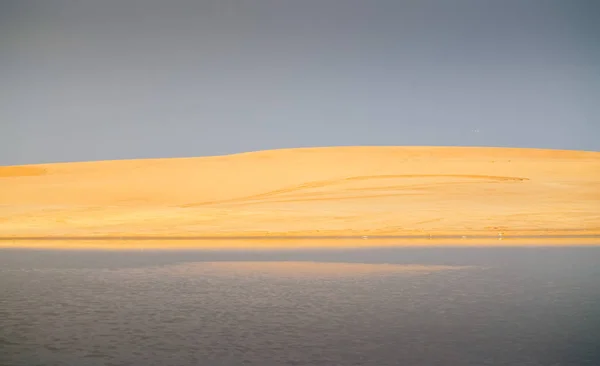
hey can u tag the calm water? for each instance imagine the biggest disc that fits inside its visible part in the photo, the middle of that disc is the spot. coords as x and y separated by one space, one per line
494 306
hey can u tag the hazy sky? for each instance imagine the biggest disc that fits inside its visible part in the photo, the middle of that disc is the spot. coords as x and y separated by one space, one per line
114 79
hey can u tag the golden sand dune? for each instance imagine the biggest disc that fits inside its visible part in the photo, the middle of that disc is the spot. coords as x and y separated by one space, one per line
311 191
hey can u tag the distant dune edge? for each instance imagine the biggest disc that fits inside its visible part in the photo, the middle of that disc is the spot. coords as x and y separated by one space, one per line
420 192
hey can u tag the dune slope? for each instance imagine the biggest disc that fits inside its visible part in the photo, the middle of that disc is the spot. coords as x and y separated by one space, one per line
310 191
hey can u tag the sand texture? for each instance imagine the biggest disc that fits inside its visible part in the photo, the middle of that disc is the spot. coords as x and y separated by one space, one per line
310 192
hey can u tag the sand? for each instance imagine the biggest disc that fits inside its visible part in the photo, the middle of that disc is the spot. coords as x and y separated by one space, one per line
421 192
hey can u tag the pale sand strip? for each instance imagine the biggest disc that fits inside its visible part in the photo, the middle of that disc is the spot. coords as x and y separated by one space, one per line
292 244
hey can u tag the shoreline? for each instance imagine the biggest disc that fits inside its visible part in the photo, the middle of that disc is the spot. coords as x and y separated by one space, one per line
296 237
293 243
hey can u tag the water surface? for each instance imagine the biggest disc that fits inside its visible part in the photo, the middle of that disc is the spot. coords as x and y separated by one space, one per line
389 306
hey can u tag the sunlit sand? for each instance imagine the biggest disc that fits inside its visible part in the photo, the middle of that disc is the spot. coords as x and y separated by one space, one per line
290 243
423 192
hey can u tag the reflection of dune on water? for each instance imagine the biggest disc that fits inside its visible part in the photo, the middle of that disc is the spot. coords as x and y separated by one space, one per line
309 269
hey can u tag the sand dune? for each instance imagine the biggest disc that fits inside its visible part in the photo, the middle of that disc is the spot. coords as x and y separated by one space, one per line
312 191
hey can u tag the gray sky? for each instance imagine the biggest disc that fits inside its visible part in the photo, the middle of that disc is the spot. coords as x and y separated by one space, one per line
115 79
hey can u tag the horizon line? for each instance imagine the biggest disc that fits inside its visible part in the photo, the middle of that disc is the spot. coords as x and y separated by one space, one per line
303 148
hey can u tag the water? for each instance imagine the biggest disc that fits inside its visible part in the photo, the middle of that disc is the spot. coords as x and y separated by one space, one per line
403 306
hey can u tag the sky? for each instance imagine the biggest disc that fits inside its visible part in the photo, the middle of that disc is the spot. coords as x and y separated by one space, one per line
124 79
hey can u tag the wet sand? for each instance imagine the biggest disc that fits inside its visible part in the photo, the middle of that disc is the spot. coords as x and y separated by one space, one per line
434 195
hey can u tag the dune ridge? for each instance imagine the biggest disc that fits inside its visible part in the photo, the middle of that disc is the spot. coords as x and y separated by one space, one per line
345 191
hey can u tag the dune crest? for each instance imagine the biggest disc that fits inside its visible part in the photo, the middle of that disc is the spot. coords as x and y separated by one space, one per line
310 192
